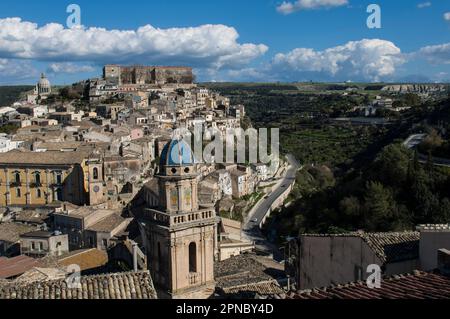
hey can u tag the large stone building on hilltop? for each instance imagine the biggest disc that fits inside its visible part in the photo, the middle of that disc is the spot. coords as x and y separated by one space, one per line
123 75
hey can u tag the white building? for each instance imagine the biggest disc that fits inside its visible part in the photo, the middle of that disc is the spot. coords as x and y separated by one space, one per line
6 144
262 171
224 182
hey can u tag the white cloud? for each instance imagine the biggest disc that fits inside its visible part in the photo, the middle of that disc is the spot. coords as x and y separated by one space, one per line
367 59
447 16
436 54
68 67
16 70
214 46
290 7
424 5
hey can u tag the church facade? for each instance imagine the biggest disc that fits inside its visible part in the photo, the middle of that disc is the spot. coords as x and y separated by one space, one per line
180 236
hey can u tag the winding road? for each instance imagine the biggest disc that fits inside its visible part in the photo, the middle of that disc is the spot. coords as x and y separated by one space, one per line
251 227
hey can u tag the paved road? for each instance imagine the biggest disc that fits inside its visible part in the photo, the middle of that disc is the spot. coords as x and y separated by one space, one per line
251 227
437 161
414 140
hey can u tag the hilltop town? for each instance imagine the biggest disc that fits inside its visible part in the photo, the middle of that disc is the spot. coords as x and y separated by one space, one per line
91 176
102 197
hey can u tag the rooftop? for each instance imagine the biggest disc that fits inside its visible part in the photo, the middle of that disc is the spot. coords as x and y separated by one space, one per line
39 234
419 285
13 267
129 285
42 158
434 227
10 232
243 274
108 224
31 216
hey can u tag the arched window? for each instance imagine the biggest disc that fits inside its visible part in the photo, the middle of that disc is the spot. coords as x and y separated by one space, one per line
192 257
37 178
17 177
95 173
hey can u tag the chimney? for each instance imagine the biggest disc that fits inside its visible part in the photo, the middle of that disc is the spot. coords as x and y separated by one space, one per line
135 261
444 261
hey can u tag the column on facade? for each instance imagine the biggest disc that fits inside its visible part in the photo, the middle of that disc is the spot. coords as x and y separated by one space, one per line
49 190
28 193
8 188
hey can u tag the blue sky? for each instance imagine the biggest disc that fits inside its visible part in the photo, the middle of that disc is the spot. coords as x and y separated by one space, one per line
251 40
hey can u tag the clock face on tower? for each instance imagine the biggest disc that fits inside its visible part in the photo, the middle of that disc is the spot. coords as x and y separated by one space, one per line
96 189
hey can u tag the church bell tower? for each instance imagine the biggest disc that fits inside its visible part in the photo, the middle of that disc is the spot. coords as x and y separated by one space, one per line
181 236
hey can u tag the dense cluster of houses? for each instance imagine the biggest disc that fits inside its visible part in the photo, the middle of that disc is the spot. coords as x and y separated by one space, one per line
72 178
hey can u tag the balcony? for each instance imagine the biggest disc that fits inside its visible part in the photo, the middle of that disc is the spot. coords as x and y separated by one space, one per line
175 220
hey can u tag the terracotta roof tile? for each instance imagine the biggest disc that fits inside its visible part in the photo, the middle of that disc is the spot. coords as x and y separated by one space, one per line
42 158
128 285
13 267
419 285
243 275
10 232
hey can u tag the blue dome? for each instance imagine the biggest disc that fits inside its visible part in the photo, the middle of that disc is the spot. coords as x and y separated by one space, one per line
177 153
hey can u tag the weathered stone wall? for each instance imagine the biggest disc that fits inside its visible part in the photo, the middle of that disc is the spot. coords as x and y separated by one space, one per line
148 74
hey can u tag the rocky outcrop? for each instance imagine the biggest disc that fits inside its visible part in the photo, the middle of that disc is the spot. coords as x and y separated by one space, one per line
417 88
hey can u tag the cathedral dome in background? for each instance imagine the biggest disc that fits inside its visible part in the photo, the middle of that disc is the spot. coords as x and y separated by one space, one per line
43 86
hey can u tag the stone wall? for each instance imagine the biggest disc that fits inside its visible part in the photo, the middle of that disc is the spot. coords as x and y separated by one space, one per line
148 74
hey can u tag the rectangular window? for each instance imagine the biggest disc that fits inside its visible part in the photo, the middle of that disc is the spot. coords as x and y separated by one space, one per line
33 245
105 243
41 246
58 178
18 193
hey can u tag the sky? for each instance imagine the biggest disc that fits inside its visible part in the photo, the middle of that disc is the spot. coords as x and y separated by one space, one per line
228 40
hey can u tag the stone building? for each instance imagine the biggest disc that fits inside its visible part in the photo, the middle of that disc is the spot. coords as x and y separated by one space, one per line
42 243
432 238
180 236
124 75
90 227
320 260
41 178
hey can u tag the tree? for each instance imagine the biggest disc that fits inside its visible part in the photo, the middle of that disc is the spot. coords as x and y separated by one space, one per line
391 166
350 207
380 207
431 142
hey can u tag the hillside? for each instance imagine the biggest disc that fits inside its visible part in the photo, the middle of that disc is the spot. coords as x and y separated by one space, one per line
10 94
